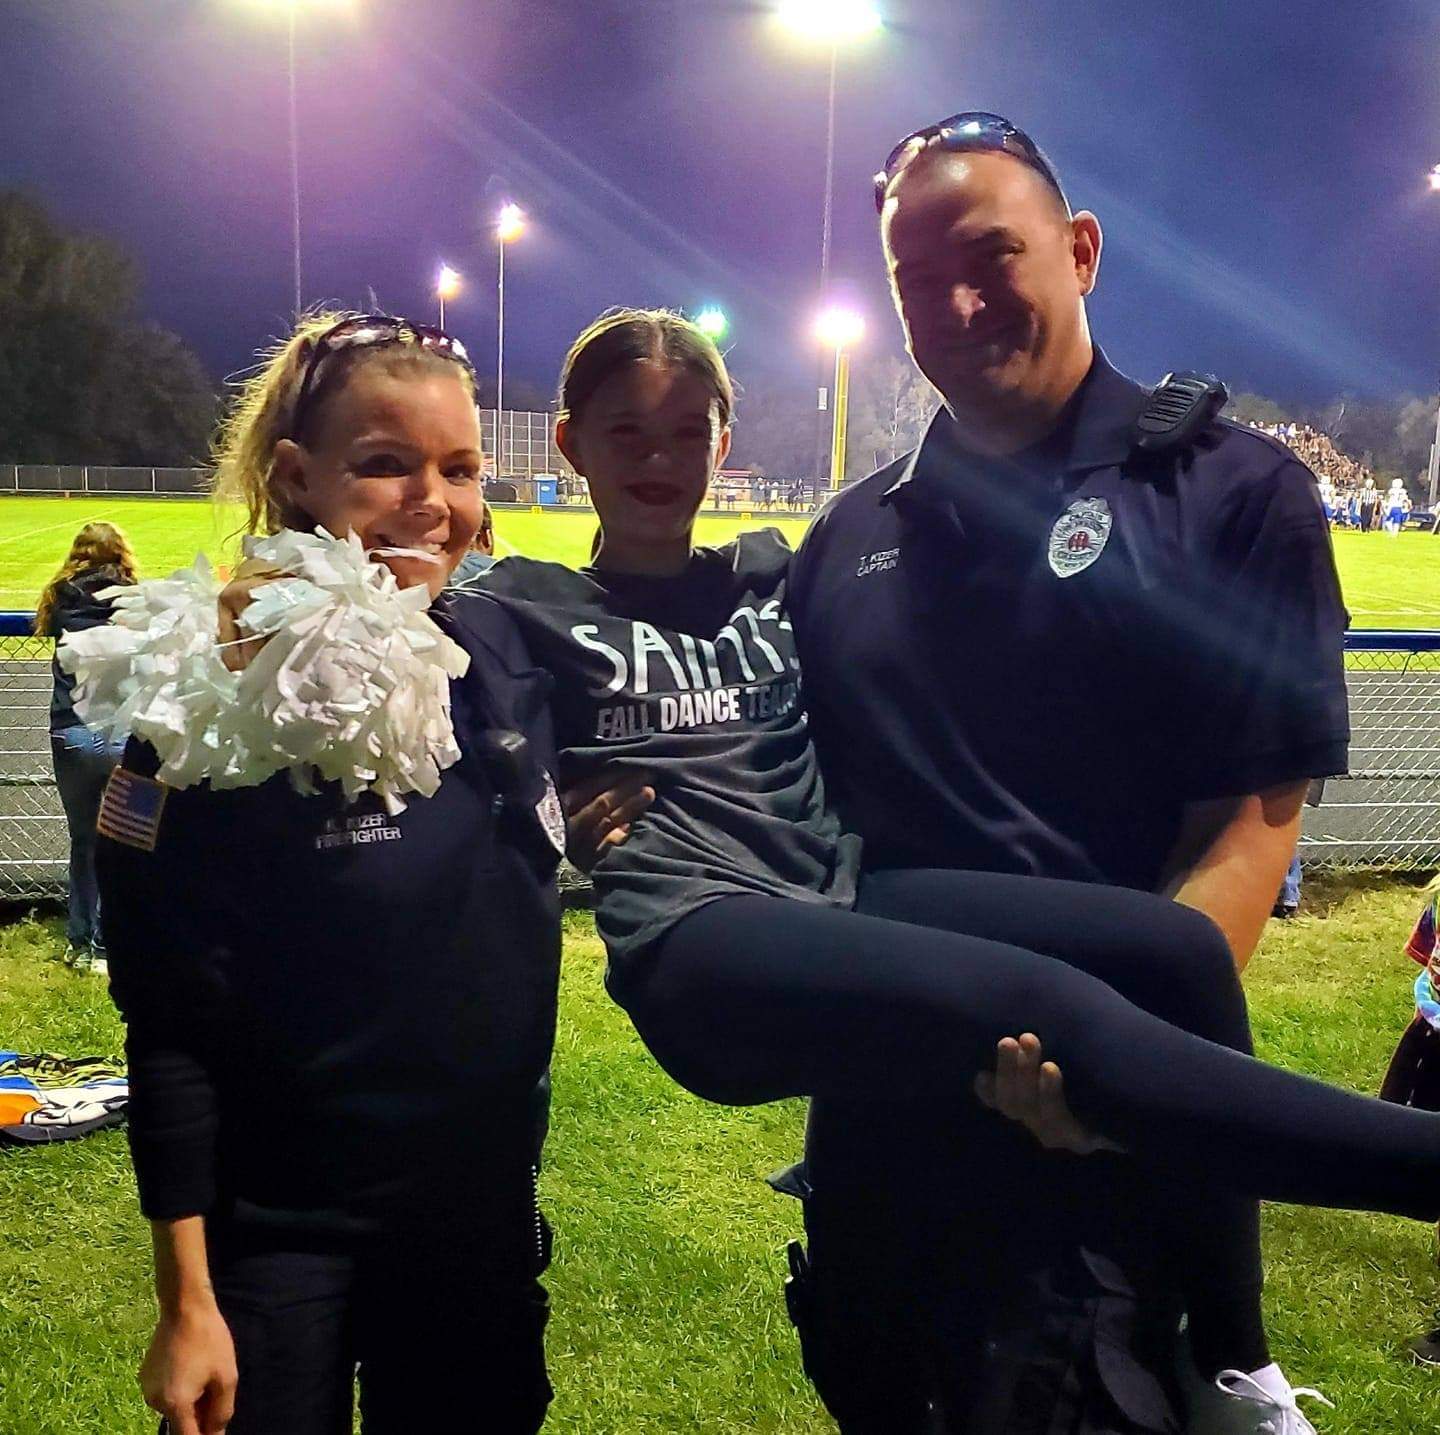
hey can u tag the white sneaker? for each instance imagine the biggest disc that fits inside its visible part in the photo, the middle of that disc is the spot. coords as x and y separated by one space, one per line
1260 1403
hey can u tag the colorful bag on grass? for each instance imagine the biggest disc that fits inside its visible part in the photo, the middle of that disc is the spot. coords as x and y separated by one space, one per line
55 1098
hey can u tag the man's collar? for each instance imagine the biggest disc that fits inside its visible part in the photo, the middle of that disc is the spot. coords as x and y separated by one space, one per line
1096 429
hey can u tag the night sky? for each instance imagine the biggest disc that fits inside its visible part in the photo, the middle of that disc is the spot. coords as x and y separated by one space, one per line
1259 165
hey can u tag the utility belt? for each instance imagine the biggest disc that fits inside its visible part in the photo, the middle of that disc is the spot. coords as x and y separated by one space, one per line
1065 1349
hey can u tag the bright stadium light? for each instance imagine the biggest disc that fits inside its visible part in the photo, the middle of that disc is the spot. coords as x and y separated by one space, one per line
510 223
712 323
829 20
1435 178
447 286
839 328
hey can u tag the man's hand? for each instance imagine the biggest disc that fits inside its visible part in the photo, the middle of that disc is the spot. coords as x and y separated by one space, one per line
1029 1090
599 812
188 1374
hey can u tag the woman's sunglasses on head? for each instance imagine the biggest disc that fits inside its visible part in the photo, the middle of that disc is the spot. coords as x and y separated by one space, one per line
369 331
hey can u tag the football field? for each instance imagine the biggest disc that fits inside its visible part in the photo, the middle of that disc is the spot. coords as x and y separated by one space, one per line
1389 582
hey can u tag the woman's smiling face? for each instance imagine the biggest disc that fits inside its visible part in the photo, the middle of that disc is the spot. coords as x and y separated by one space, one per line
395 460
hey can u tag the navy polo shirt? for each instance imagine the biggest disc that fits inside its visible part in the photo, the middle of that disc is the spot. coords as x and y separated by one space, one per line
1031 664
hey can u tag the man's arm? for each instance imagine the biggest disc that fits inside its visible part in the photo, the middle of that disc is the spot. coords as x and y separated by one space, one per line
1231 857
1228 863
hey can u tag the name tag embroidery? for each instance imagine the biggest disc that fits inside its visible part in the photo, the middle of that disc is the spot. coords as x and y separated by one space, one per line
358 831
880 562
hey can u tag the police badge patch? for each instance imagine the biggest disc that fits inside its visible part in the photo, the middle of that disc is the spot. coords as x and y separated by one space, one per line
1079 536
552 816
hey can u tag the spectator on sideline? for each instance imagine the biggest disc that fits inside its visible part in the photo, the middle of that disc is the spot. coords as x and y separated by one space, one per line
99 558
337 1015
1414 1075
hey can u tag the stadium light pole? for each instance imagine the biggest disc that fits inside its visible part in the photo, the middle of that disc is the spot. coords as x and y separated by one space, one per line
294 159
831 23
509 226
292 10
447 286
1434 475
841 330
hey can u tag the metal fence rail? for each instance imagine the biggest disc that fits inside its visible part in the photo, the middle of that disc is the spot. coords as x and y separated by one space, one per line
1386 813
529 449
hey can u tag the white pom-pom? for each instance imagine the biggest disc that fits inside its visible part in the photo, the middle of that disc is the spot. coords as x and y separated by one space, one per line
352 684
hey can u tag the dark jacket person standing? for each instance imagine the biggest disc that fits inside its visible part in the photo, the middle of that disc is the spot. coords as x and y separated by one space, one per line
1081 661
100 558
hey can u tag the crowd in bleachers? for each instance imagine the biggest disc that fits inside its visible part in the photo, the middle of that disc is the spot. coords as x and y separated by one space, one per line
1348 490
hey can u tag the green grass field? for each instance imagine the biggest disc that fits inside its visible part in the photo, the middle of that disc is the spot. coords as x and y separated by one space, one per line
668 1314
1389 583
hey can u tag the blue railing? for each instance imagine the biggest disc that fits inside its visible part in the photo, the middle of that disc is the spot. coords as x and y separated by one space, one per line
1357 640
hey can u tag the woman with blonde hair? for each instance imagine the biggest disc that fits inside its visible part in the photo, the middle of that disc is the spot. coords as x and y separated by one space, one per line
340 1005
100 558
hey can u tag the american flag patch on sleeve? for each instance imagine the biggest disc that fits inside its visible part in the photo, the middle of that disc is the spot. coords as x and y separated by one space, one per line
130 809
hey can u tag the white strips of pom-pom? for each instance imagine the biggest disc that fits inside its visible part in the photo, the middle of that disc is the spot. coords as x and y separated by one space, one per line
352 684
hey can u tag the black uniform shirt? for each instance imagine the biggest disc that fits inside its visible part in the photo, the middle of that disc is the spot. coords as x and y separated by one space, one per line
336 1018
1030 665
692 681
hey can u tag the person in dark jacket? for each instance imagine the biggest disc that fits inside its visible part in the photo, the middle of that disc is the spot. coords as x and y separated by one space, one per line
99 558
338 1015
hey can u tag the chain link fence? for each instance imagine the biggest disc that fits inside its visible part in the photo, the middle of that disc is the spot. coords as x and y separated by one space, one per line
1386 813
33 840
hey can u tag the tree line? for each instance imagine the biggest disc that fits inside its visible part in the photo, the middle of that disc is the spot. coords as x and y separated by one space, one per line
84 379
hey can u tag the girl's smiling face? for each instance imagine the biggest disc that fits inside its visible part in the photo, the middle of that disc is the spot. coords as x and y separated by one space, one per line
649 441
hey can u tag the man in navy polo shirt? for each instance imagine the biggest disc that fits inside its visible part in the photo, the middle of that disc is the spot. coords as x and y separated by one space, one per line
1032 647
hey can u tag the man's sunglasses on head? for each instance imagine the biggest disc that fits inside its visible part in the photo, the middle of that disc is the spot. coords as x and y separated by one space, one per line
971 130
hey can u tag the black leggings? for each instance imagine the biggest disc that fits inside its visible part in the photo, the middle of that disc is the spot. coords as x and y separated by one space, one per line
754 998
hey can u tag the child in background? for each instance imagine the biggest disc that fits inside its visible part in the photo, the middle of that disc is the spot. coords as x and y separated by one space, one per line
1414 1075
